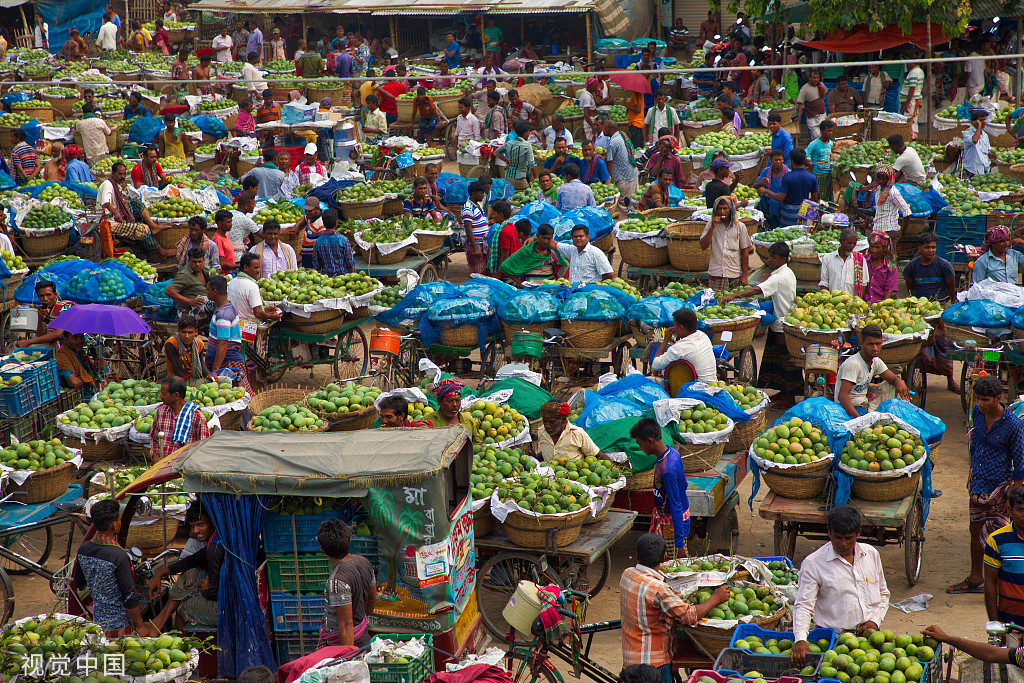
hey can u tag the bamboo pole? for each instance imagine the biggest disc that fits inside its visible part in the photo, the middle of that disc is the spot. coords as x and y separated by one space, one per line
1020 65
926 100
590 40
394 32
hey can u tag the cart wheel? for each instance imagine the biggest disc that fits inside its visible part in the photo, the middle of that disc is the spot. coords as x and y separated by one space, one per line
496 583
351 353
917 382
476 172
451 142
589 579
525 668
913 543
428 273
34 545
622 269
494 358
272 377
6 597
785 539
621 360
746 367
965 396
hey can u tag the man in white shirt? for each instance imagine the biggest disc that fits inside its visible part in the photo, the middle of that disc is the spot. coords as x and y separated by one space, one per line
661 116
842 584
975 75
222 45
908 165
685 342
244 293
976 146
241 224
106 39
838 268
41 32
467 125
587 263
252 77
556 130
274 254
857 371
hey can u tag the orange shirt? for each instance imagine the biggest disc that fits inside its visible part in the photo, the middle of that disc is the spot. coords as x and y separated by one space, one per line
636 118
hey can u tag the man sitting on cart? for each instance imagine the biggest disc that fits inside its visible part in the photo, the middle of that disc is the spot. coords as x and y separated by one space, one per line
179 421
448 393
560 440
536 259
193 601
842 584
50 306
650 609
685 342
857 371
394 412
76 366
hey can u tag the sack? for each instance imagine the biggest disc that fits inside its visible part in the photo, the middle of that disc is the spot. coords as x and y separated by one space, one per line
537 213
980 313
529 308
592 305
655 311
635 388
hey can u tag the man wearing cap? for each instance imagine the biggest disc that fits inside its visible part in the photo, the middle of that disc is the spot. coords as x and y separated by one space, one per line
277 50
76 170
308 166
448 393
560 439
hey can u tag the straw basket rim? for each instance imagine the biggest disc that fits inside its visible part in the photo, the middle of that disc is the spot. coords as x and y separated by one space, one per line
640 480
682 213
799 482
339 417
318 322
44 485
639 254
262 400
524 529
744 433
152 535
93 451
871 486
590 334
711 640
45 245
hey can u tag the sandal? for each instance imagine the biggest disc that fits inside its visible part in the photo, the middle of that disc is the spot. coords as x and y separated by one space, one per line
959 589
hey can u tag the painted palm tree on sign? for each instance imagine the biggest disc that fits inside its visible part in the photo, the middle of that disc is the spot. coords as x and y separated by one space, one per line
381 506
410 526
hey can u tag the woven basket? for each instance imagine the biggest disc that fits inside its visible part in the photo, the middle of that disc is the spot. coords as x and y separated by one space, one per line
960 335
748 176
152 535
853 130
206 164
64 105
605 243
509 329
428 242
916 226
800 482
483 522
317 94
685 254
6 141
392 207
533 531
594 519
1005 140
700 457
231 421
463 336
797 337
405 108
711 641
590 334
900 353
639 254
448 106
276 395
47 244
880 130
786 114
40 114
806 268
355 211
105 451
318 322
1017 171
345 422
45 485
640 480
876 486
744 433
378 258
672 213
742 332
944 137
168 238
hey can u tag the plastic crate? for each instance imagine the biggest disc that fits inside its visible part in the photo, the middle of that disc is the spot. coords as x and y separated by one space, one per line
279 536
412 672
772 666
20 428
47 413
48 379
289 646
718 677
777 558
46 351
297 613
368 547
17 400
313 572
745 630
933 667
69 398
960 227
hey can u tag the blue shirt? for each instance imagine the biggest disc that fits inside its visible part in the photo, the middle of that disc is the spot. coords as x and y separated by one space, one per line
655 87
141 111
670 493
343 65
704 76
332 254
569 159
600 171
78 172
775 185
453 61
988 266
798 185
997 455
784 141
975 156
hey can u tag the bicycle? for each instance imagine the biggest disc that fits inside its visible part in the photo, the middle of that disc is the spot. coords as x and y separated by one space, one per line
983 362
389 370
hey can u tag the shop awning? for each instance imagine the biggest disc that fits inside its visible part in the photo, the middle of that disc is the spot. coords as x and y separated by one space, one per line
860 39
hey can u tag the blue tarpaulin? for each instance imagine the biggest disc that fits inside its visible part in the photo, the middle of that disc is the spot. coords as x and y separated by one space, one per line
61 15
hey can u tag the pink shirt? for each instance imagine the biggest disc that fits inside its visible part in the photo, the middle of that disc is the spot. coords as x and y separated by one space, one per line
881 281
225 248
245 123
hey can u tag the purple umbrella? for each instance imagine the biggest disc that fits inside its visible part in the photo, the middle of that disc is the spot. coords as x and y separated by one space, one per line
100 319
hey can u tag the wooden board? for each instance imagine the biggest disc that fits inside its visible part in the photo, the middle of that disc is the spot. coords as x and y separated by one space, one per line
414 262
16 514
706 491
889 514
594 539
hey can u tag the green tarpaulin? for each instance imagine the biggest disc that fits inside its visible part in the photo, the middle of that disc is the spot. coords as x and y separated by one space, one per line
614 436
527 397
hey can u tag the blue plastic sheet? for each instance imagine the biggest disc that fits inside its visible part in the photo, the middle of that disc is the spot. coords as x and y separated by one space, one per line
61 15
920 205
210 125
1017 321
500 189
622 297
496 291
635 388
145 130
413 305
59 273
162 305
537 213
978 314
599 409
932 428
597 219
720 400
83 191
655 311
593 305
455 191
99 285
529 307
456 311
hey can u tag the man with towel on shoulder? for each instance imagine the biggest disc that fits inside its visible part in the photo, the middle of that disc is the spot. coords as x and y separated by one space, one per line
561 439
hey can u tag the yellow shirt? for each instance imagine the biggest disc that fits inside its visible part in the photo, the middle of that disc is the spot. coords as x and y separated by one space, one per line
174 148
464 419
365 90
573 443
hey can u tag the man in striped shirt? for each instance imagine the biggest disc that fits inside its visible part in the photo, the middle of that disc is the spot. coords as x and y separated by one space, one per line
1004 566
518 154
475 222
650 609
23 158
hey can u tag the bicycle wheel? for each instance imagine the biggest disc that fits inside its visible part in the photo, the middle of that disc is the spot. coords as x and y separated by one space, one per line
33 545
586 578
746 366
497 582
527 668
351 353
966 390
6 597
917 382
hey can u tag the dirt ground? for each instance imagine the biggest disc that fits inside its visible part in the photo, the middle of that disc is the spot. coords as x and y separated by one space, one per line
945 560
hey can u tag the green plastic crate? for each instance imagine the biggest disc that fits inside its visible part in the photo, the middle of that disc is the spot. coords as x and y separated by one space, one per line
413 672
313 568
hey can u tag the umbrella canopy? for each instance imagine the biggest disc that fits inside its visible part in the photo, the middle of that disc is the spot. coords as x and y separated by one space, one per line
630 80
100 319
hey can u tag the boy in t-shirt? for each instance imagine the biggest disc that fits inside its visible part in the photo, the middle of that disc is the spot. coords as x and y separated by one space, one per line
819 153
855 376
932 277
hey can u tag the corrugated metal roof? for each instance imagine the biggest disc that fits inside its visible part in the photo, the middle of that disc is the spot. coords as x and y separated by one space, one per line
398 7
255 6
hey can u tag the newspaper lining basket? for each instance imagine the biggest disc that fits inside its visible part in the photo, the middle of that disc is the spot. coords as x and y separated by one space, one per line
534 531
45 485
639 254
800 482
590 334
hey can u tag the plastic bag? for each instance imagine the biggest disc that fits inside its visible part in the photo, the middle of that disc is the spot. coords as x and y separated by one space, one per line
496 291
140 285
529 307
59 273
932 428
825 414
593 305
622 297
455 311
413 305
99 285
636 389
1017 321
156 297
500 189
977 314
210 125
720 399
597 219
145 130
455 192
655 311
599 409
537 213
